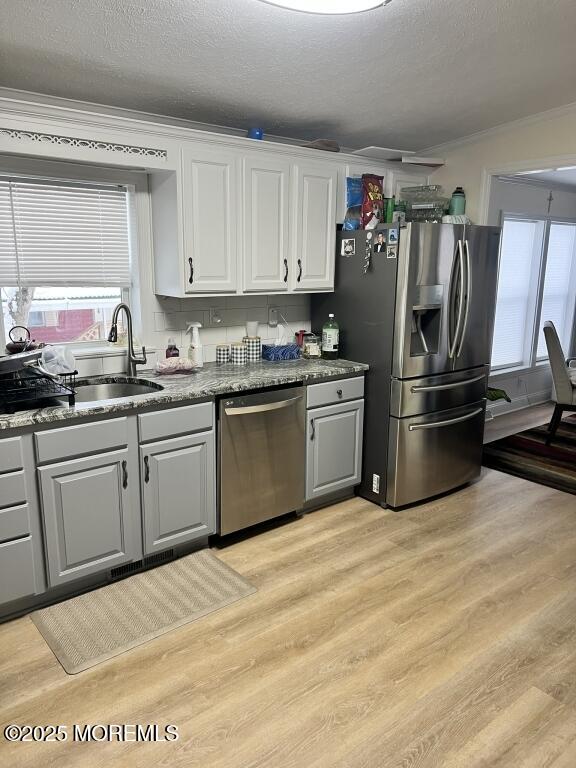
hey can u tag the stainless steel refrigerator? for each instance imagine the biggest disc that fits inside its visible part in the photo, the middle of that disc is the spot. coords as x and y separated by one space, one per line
417 304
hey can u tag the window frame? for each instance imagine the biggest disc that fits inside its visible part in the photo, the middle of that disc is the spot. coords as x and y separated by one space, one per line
530 360
74 173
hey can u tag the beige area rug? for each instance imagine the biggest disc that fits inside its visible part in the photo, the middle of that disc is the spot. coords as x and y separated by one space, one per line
91 628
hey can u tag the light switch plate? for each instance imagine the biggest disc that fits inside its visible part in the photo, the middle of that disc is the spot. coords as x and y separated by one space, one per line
375 483
272 317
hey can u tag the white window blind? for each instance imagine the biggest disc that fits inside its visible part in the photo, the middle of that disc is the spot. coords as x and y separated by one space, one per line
520 240
558 294
63 234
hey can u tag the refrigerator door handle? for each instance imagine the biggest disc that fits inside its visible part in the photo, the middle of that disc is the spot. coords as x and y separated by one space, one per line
446 423
440 387
468 291
457 332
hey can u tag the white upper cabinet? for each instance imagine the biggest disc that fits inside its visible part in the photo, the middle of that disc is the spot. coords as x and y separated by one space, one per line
266 228
314 226
210 178
236 220
397 180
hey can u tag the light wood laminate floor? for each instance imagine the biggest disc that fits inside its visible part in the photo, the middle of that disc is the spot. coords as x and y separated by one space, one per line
443 635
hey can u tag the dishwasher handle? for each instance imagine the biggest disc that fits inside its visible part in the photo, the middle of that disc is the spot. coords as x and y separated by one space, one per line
245 409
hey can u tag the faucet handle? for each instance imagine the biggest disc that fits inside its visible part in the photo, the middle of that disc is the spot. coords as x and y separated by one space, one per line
143 359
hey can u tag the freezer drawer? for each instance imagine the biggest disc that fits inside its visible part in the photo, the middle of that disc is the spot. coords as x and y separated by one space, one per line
434 453
409 397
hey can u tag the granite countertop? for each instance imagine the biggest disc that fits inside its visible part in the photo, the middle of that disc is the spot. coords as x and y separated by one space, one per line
210 381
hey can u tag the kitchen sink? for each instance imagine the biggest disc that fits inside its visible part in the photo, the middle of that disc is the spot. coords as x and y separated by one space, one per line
90 390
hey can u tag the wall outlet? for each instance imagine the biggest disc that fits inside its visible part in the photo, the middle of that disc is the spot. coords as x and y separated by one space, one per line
375 483
215 318
272 317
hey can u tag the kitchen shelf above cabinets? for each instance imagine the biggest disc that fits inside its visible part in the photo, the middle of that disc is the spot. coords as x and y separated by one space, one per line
238 221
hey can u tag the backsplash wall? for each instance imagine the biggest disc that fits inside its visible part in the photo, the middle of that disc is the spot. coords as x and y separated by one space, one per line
171 317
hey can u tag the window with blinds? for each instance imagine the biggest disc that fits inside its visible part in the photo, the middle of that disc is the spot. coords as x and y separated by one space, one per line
63 234
65 253
520 240
559 289
536 282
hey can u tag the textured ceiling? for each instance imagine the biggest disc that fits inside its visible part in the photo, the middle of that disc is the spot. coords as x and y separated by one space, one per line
412 74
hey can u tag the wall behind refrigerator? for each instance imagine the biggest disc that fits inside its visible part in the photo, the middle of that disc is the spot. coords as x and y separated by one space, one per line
544 140
547 135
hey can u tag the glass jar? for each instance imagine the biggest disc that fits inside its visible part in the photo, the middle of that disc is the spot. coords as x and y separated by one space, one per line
311 346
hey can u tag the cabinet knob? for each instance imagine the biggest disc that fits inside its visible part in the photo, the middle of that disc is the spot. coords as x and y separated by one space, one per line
339 392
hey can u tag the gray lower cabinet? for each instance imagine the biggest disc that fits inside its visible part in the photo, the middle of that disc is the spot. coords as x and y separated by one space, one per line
334 448
178 490
21 552
17 577
91 514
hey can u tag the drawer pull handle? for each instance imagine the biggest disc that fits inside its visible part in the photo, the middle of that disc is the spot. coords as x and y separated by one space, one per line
124 474
299 270
146 469
191 264
339 392
285 270
446 423
313 429
440 387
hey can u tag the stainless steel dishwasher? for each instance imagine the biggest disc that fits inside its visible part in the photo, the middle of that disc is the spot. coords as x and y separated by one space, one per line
262 463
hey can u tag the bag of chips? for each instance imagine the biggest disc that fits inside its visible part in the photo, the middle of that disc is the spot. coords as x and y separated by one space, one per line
353 203
372 201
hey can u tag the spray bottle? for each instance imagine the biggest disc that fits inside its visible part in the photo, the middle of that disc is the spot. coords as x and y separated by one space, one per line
195 352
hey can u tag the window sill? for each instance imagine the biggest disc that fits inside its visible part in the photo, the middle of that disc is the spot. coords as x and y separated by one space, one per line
518 370
90 351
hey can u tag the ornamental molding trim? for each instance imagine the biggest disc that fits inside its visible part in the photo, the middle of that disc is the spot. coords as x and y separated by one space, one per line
78 143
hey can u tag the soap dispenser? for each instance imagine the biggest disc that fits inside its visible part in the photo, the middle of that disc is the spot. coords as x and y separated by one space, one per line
195 353
172 350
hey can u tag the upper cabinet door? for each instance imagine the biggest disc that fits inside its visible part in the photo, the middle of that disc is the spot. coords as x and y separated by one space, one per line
266 230
397 180
314 211
210 191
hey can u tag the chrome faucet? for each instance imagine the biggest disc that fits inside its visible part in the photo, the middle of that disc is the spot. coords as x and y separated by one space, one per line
132 360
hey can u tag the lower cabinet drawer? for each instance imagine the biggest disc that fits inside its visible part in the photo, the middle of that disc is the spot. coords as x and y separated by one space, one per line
12 489
81 439
16 570
14 522
176 421
11 454
337 391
